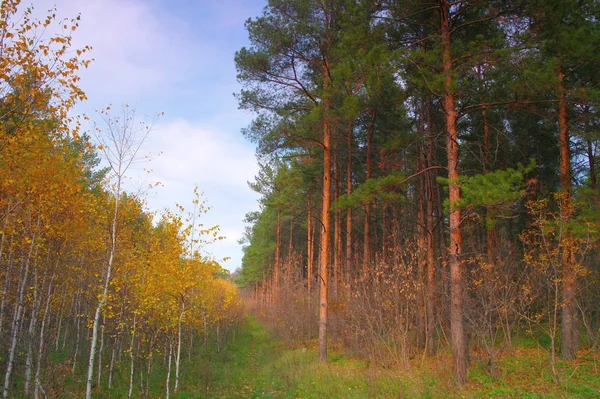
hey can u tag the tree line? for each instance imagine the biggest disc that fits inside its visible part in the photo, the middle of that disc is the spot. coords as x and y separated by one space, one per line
428 173
96 291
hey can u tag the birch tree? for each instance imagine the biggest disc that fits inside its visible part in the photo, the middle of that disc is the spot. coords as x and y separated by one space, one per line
121 138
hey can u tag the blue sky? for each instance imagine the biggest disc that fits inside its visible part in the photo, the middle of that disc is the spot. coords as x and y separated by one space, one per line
176 57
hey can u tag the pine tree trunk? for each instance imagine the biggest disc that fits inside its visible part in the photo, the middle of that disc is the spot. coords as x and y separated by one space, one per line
490 227
568 336
288 264
310 251
430 195
325 227
277 266
592 167
458 338
367 224
337 229
349 187
421 255
367 239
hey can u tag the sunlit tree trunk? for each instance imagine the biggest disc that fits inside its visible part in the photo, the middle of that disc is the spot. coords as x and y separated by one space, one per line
458 338
325 225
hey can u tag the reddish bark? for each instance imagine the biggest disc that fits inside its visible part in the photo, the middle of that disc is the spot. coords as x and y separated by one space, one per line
325 226
458 338
421 254
349 210
277 266
337 230
310 257
430 306
568 336
367 224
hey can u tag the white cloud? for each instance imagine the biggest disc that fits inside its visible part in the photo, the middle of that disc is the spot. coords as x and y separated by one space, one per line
202 155
218 163
136 49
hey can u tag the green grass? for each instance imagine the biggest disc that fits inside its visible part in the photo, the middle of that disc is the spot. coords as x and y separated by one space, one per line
256 365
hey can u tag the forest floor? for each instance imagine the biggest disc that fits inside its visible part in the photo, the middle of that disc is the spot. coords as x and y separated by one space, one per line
257 365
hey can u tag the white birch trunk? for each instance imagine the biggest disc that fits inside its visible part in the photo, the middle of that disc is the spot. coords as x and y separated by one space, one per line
113 355
30 333
60 319
218 339
37 382
16 322
131 370
103 296
120 146
78 333
169 368
178 348
99 375
6 284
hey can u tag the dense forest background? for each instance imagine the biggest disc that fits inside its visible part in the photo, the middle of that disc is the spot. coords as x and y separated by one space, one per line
428 176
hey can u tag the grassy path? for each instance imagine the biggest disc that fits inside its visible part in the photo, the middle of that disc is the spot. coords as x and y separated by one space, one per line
256 365
245 368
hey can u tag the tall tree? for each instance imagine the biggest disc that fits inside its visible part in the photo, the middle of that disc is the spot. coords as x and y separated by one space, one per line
287 74
566 38
456 33
121 139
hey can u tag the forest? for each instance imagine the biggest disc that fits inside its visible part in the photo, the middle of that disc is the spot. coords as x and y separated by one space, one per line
428 179
99 297
428 222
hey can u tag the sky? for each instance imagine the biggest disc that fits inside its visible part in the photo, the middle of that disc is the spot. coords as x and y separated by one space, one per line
176 57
